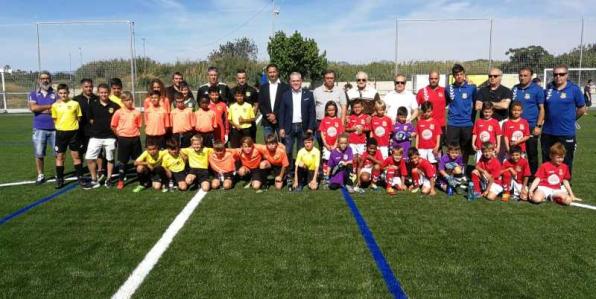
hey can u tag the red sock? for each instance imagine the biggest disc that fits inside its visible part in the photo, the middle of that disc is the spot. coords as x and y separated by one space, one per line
415 177
507 180
375 175
390 175
476 181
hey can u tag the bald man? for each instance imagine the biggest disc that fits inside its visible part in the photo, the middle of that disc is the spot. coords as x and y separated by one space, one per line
496 93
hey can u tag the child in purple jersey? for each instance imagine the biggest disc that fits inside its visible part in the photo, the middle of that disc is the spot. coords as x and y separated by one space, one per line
402 132
340 165
451 169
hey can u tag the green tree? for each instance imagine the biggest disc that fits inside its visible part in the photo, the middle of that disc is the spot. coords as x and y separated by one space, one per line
296 53
233 55
535 57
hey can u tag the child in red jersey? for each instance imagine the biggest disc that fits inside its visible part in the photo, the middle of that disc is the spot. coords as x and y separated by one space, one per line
487 175
395 171
516 130
552 179
381 128
358 126
428 134
516 173
486 129
331 127
424 174
369 166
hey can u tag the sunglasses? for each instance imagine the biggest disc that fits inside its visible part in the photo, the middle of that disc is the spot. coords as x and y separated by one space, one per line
559 74
493 76
400 82
361 80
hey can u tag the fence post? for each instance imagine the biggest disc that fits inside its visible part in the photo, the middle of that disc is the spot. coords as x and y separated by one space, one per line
581 52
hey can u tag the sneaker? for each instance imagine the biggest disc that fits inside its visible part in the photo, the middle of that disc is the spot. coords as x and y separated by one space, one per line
415 190
505 197
165 189
359 190
353 177
248 185
91 185
391 191
350 189
138 189
120 185
101 177
59 183
109 184
260 191
374 186
40 179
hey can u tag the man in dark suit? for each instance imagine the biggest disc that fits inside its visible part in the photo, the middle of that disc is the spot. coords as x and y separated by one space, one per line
269 100
296 115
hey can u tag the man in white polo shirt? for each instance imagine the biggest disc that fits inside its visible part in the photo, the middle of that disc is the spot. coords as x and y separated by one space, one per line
401 98
368 94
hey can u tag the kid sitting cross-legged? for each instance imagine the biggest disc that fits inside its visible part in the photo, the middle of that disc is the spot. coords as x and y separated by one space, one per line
487 175
552 179
516 173
423 173
340 165
395 171
451 170
369 166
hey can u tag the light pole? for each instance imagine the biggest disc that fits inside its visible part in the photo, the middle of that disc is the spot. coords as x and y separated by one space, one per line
274 13
5 69
81 55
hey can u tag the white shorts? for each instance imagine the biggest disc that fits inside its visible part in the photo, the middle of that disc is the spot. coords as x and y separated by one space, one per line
326 154
395 181
423 181
428 155
357 149
549 192
516 188
367 169
95 146
494 188
384 151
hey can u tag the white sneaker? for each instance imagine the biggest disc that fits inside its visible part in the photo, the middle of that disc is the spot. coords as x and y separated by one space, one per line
41 178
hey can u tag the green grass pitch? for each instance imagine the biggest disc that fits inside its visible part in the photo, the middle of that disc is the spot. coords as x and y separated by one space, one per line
280 244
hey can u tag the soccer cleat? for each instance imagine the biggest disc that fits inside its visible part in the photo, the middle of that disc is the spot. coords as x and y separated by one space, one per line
391 191
59 183
138 188
415 190
353 177
359 190
248 185
505 197
109 184
91 185
120 185
40 179
260 191
165 189
374 186
350 189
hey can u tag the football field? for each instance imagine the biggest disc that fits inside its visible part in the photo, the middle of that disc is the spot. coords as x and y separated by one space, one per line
86 243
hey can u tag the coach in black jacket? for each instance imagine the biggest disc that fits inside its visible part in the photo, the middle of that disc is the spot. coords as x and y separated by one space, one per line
296 115
268 102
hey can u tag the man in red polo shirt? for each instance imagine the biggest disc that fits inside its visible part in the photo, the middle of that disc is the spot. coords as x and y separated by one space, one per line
436 95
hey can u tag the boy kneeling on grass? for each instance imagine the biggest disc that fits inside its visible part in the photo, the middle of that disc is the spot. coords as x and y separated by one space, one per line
340 165
552 179
149 170
307 165
174 165
223 166
487 175
198 160
423 173
516 173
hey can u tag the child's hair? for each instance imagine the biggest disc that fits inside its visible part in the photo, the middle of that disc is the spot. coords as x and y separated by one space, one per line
179 96
398 151
516 104
62 86
330 103
171 144
155 93
116 82
126 96
487 105
557 149
270 139
247 140
241 90
343 136
151 143
308 136
426 106
197 137
371 141
413 151
357 101
515 149
487 145
453 147
184 84
213 89
402 111
380 105
204 100
103 86
218 146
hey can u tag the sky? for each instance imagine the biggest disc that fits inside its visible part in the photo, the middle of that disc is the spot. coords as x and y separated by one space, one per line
351 31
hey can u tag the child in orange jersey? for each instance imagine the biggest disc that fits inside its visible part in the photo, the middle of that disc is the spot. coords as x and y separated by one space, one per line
157 121
182 119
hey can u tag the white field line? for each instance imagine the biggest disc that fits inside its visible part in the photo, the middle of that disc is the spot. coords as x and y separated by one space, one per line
142 270
585 206
33 182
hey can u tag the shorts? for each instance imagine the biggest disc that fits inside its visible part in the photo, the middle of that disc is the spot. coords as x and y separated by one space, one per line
158 174
207 138
201 175
428 155
366 169
183 138
494 187
275 170
396 181
42 138
84 141
179 176
550 192
258 175
423 181
384 151
461 136
67 139
224 176
97 144
516 188
358 148
129 148
325 154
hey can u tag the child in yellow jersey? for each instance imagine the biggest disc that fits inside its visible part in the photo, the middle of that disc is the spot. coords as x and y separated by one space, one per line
149 169
198 160
174 165
307 165
241 115
66 115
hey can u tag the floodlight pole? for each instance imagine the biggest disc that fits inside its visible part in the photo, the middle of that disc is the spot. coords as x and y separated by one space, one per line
38 48
490 46
581 52
396 43
2 71
131 26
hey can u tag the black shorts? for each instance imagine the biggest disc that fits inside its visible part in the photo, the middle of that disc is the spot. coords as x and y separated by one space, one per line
184 138
84 141
160 140
202 175
225 175
67 139
461 136
207 138
129 148
158 174
274 170
179 176
257 174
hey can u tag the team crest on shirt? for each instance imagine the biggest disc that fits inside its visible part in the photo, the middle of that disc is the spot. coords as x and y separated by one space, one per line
276 157
345 157
248 93
553 179
380 131
490 128
432 126
384 123
563 95
427 134
484 136
561 172
464 95
440 94
332 131
517 135
527 96
111 110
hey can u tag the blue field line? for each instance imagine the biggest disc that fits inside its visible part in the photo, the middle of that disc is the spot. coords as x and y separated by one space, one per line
37 203
392 282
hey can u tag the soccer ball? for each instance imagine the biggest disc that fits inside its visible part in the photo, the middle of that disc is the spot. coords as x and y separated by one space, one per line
457 170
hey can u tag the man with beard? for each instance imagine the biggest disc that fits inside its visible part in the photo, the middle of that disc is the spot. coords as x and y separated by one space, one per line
173 90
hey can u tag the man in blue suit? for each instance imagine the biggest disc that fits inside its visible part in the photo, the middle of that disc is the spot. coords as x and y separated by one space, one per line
269 100
296 115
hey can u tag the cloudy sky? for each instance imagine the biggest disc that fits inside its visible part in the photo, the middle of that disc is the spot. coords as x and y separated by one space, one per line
351 31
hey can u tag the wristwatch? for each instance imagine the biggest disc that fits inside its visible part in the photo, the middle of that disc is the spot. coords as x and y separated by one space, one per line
539 126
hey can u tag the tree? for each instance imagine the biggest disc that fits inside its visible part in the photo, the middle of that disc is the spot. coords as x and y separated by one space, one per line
297 54
231 56
535 57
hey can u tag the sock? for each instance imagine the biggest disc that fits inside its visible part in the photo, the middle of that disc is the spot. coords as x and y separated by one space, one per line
375 176
78 170
507 177
122 171
60 172
389 176
476 181
415 177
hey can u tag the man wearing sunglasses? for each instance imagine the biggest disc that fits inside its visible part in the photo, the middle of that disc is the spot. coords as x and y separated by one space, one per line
368 94
531 96
496 93
401 98
564 104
